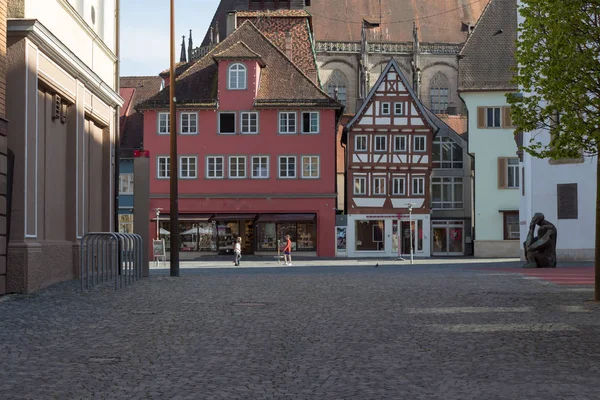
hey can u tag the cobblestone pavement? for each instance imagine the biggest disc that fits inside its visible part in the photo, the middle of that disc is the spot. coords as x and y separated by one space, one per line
446 331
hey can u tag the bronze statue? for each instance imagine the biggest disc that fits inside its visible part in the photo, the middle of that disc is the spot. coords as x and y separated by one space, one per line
540 251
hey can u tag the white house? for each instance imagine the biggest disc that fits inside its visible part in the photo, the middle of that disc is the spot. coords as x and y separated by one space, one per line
485 77
565 192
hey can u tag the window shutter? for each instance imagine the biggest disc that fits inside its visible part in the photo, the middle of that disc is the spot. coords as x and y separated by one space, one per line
506 118
481 117
502 163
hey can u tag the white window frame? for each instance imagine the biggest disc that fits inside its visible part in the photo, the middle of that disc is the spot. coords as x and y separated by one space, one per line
189 127
195 170
385 105
454 204
126 182
287 167
400 150
377 185
424 139
287 114
234 172
398 192
376 145
492 124
318 168
240 71
356 143
167 169
397 105
234 122
208 170
412 188
515 170
167 118
248 130
363 185
310 128
260 165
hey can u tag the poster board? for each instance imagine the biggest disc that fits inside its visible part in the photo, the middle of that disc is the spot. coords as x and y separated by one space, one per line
158 248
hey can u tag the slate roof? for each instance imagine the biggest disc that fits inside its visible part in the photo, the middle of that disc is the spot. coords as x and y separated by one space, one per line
488 56
136 89
282 83
438 21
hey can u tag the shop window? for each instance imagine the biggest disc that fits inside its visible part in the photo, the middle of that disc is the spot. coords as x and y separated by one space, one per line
369 235
307 236
194 235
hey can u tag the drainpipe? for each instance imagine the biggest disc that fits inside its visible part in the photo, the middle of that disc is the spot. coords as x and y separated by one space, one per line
117 146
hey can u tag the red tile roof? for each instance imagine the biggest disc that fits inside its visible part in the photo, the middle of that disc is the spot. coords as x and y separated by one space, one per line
458 123
282 82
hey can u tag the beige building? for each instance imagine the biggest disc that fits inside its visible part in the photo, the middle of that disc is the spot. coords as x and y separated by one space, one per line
62 86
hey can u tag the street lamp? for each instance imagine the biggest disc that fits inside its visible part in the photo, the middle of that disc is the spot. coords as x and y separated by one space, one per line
157 222
173 206
410 206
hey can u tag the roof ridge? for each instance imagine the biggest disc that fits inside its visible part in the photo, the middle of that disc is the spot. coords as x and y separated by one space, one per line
484 12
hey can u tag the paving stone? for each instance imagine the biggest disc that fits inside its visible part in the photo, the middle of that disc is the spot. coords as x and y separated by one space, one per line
330 331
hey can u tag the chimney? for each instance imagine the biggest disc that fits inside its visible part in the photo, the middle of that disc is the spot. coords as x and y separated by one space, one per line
231 23
288 45
451 110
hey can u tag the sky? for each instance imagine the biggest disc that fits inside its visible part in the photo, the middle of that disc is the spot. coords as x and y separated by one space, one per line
145 32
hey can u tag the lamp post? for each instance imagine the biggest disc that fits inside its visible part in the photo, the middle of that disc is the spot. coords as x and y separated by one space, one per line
410 205
174 207
157 222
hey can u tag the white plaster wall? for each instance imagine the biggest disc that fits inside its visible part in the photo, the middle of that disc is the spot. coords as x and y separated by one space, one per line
54 15
541 183
487 145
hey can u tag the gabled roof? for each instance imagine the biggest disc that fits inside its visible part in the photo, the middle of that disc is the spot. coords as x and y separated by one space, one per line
239 51
282 82
137 89
488 56
392 64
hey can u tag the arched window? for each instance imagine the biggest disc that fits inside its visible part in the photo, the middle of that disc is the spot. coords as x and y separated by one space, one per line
237 76
438 94
337 80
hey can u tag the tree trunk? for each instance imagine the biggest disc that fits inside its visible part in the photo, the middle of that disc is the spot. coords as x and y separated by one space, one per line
597 241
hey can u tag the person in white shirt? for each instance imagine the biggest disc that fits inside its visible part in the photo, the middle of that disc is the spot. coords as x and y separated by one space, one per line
237 250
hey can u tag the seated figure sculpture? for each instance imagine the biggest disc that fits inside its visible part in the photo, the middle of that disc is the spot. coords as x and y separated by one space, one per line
540 250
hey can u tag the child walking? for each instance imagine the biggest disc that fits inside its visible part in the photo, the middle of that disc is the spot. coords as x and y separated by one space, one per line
287 251
238 251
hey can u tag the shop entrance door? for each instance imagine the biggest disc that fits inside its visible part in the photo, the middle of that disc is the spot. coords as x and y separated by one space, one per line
411 231
447 238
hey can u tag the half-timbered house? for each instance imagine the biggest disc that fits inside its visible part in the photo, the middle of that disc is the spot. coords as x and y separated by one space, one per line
389 142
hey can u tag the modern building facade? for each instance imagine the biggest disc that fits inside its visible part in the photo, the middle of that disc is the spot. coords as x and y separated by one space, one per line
485 77
256 143
390 147
62 81
134 90
564 190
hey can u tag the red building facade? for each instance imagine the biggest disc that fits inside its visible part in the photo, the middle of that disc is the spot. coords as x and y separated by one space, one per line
256 148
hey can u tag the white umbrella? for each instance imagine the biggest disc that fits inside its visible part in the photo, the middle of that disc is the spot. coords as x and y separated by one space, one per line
195 231
163 231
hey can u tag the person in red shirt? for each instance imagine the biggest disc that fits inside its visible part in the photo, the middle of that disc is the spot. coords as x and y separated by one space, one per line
287 250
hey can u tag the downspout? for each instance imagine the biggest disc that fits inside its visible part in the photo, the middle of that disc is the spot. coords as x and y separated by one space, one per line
117 146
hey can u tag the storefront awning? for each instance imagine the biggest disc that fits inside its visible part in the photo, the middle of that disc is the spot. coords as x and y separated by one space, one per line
228 217
185 217
285 217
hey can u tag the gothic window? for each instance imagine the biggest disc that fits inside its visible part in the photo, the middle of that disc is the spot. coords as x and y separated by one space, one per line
338 80
438 94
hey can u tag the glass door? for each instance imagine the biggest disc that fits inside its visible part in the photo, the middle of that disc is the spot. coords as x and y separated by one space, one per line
407 233
447 238
440 240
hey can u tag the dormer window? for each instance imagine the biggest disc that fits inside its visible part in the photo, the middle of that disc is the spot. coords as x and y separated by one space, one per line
237 77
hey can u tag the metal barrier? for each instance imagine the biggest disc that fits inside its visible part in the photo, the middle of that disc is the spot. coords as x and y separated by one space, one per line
106 256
